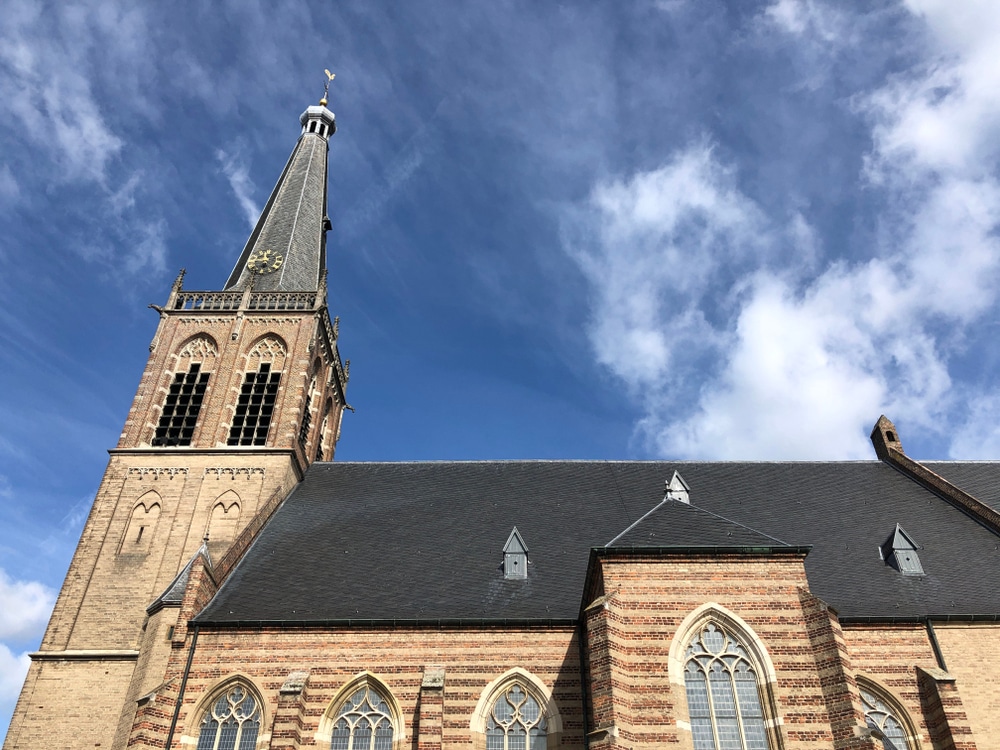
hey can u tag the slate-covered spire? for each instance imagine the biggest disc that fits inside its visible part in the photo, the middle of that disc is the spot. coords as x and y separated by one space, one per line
287 249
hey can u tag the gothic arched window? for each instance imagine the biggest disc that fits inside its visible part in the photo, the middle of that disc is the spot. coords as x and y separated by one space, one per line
516 721
723 694
886 720
364 722
232 722
259 393
185 394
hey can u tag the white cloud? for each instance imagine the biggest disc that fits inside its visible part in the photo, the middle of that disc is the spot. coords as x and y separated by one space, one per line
979 436
24 608
801 17
684 271
943 115
147 250
795 355
13 670
9 189
47 89
238 174
662 238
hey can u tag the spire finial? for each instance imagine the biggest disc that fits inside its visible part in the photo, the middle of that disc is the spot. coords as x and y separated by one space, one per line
326 86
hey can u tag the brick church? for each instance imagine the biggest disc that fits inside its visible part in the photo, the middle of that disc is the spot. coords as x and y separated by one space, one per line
236 588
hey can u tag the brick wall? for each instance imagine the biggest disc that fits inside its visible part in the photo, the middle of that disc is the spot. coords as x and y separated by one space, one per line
399 657
646 601
968 652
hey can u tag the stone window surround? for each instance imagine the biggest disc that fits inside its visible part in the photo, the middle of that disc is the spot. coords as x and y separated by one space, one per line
324 733
195 717
759 657
899 712
497 687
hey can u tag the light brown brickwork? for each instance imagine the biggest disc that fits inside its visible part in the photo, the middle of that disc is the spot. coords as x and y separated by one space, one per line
640 702
157 503
968 651
398 657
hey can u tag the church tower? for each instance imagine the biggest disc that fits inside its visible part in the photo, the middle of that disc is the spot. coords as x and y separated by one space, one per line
243 390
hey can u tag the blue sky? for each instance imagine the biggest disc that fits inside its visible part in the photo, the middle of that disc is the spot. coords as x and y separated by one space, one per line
679 229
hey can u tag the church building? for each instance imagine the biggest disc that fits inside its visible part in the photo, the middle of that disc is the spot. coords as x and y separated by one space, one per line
236 588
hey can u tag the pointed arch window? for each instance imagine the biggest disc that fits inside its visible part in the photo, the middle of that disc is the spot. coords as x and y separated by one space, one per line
516 721
307 411
885 721
723 692
232 722
185 394
364 722
321 439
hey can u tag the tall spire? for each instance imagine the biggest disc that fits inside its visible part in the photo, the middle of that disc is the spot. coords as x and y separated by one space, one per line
287 248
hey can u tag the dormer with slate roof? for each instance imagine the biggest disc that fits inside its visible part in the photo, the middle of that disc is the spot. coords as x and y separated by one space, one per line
677 489
515 557
900 552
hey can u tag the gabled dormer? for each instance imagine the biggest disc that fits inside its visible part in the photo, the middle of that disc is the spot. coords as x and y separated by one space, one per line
677 489
899 551
515 556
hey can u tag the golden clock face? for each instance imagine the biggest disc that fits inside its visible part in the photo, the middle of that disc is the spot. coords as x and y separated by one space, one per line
264 261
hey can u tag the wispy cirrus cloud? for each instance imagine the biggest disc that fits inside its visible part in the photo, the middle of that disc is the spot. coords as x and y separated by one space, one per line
236 171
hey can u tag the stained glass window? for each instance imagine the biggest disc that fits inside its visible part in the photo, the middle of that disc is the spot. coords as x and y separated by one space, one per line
364 722
723 694
878 715
232 723
515 721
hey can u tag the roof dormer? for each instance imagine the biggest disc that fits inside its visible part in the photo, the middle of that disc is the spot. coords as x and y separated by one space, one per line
899 551
515 557
677 489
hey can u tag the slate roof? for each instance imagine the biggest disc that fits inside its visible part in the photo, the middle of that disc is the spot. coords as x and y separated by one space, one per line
174 593
358 542
981 479
673 520
292 222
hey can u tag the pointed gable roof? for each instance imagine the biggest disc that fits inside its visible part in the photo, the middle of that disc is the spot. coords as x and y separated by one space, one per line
515 544
675 523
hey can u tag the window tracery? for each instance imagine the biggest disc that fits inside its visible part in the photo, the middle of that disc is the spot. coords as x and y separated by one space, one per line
880 716
363 722
232 722
516 721
723 694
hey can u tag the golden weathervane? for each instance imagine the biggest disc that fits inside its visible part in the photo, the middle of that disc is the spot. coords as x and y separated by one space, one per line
326 87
